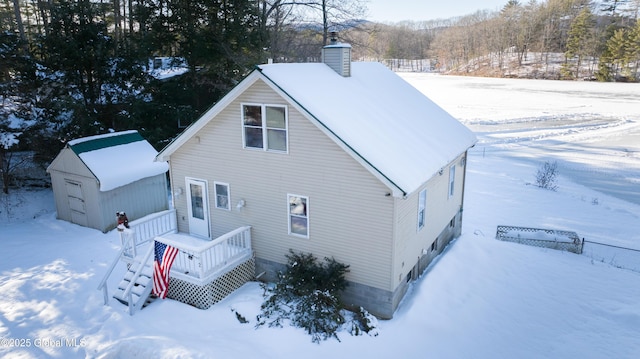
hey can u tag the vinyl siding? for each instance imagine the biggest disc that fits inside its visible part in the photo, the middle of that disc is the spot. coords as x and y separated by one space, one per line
67 165
350 218
137 199
440 209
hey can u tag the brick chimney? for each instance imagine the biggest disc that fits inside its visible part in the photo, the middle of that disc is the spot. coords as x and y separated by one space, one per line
337 56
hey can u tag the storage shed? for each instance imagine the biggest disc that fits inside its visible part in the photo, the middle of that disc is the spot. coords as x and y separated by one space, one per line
95 177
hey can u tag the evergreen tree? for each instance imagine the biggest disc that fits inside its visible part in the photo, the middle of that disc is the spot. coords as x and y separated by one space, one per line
77 54
16 118
579 43
633 51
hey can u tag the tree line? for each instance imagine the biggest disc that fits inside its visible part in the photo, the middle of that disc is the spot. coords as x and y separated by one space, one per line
73 68
585 39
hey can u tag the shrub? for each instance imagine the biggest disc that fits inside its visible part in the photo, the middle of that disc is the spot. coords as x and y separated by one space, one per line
547 175
307 295
363 322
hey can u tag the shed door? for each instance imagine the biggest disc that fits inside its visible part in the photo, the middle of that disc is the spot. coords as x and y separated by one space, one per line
75 199
198 207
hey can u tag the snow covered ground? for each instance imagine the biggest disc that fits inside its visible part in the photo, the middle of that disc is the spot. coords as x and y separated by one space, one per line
482 299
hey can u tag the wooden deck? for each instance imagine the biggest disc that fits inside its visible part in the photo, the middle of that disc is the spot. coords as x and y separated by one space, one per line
200 261
204 270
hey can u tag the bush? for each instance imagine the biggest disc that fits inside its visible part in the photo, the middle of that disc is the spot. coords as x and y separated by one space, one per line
363 322
547 175
307 295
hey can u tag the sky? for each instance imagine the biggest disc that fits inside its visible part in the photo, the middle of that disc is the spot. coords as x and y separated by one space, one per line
420 10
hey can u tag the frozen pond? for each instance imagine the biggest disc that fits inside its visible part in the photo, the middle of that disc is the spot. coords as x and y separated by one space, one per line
592 129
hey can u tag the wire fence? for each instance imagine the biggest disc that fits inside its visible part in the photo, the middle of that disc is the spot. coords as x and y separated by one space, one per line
621 257
537 237
617 256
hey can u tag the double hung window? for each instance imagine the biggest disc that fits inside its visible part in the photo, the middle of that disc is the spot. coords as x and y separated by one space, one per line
222 195
298 215
422 205
452 178
265 127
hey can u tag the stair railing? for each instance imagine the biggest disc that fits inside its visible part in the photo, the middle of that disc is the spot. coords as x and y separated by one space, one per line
141 232
103 282
128 291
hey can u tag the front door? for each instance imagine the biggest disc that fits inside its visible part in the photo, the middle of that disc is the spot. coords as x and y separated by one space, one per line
198 207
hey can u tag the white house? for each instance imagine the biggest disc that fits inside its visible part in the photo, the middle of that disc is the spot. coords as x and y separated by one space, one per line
339 159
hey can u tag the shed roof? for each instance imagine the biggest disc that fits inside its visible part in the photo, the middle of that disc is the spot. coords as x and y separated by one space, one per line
389 126
119 158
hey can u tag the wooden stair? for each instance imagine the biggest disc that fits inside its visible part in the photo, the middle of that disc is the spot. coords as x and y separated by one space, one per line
134 290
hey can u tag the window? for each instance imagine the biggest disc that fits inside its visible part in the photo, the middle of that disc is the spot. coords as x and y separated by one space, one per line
197 200
298 215
265 127
452 177
422 201
222 195
434 245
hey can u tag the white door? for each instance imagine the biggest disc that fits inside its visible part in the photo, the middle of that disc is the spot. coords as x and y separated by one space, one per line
198 207
75 199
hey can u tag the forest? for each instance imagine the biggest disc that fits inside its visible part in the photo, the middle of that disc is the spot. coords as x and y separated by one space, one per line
74 68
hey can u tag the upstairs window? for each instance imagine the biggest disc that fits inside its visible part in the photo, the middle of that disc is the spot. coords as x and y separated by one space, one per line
265 127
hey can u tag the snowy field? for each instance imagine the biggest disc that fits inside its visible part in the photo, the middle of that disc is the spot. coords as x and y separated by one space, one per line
482 299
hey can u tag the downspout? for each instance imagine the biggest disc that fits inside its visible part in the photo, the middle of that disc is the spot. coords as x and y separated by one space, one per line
404 193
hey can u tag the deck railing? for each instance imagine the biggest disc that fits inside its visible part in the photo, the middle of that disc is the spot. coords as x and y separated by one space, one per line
200 263
140 231
144 230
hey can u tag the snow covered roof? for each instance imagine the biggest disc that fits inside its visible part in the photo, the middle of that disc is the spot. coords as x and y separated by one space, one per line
386 124
118 159
386 121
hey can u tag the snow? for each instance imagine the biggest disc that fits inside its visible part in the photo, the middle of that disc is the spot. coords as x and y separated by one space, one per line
539 235
9 139
358 110
483 298
117 166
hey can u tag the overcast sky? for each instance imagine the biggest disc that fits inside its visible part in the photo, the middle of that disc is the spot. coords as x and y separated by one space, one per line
419 10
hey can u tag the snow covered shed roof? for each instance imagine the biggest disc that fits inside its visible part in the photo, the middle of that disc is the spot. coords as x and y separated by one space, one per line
386 124
118 159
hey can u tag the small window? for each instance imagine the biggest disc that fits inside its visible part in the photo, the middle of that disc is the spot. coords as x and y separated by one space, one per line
452 177
434 245
422 202
222 195
298 215
452 222
265 127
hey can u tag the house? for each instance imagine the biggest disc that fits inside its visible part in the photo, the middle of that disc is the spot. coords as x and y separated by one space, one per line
95 177
339 159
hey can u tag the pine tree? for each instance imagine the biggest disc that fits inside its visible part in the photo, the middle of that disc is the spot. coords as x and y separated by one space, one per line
616 48
633 51
16 121
578 43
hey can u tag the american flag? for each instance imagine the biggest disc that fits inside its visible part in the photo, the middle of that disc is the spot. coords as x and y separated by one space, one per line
164 256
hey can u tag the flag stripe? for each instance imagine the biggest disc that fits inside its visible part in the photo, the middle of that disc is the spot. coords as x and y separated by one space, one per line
163 260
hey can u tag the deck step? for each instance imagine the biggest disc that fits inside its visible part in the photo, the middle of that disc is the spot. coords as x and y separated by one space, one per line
140 285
